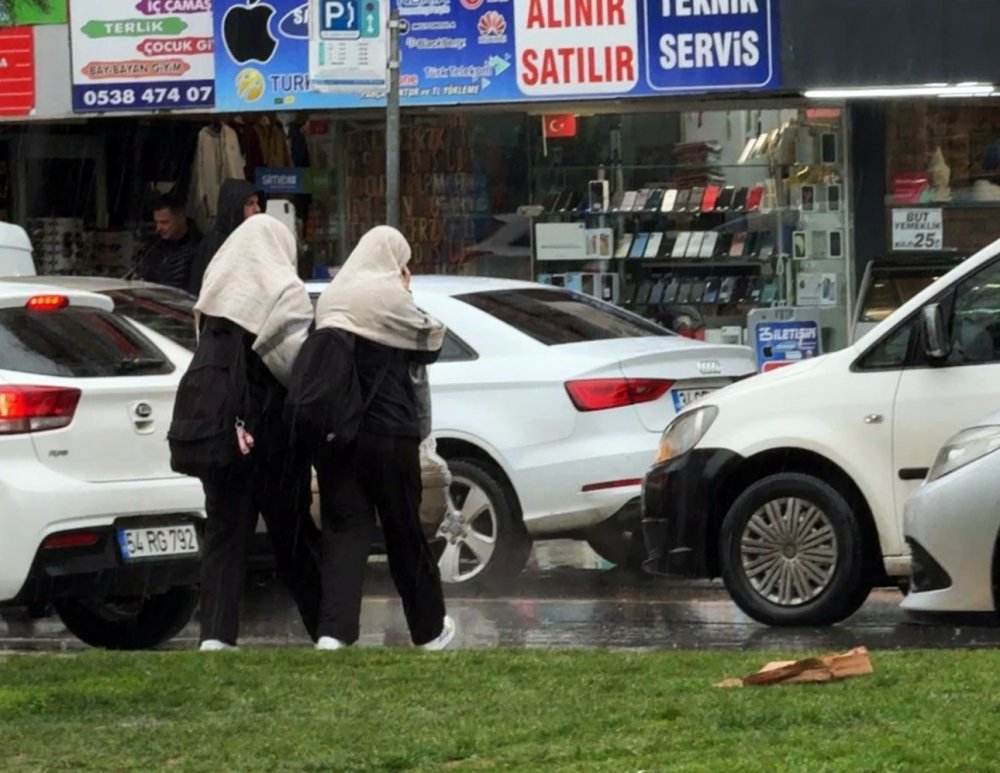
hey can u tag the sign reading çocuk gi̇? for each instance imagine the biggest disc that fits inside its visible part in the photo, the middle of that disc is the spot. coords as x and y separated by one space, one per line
482 51
141 54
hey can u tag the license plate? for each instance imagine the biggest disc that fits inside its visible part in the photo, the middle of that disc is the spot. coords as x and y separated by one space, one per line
685 397
158 542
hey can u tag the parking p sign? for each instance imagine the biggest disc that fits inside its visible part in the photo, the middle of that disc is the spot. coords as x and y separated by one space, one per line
348 46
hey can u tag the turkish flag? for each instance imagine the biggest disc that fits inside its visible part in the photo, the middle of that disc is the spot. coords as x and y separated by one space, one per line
559 125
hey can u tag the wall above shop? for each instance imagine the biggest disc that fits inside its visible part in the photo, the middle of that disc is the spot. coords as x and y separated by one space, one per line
887 42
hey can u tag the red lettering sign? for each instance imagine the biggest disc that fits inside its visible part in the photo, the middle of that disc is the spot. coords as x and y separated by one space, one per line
17 71
176 46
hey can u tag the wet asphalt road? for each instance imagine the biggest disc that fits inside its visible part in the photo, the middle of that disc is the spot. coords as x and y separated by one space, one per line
563 608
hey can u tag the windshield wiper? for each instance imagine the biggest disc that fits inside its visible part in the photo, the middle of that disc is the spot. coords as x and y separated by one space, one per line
135 364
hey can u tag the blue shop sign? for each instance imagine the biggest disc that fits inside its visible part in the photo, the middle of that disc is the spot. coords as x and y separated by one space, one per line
777 344
491 51
281 180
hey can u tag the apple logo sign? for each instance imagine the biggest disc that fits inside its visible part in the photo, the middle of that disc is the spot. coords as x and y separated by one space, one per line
246 32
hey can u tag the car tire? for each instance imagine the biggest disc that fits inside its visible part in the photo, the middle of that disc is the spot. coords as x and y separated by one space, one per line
128 625
625 548
810 573
484 546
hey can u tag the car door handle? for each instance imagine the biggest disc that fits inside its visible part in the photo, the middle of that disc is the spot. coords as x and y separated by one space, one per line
874 418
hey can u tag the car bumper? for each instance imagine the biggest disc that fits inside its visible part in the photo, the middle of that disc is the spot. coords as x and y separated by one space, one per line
38 505
951 526
678 509
99 570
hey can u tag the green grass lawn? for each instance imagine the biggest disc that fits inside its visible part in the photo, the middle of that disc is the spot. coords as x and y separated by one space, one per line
372 709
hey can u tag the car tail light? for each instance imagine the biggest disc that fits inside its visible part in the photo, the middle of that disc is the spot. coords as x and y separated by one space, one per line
47 302
36 408
80 539
599 394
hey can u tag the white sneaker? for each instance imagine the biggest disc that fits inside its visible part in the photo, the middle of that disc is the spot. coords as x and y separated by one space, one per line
214 645
329 643
444 638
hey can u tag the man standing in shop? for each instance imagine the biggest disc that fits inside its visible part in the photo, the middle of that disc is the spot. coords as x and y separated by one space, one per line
238 201
168 259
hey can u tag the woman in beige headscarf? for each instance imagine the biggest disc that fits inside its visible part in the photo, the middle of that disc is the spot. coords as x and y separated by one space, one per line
253 297
380 471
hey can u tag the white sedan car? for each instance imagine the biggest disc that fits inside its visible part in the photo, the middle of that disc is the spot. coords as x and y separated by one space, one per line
952 525
92 519
548 406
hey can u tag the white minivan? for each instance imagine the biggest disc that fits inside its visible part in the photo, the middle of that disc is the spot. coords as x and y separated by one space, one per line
790 485
15 251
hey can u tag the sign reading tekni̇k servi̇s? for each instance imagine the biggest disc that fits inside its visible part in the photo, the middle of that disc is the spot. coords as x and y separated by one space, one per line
483 51
142 55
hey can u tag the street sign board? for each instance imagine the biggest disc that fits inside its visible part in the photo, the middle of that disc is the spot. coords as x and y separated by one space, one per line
348 46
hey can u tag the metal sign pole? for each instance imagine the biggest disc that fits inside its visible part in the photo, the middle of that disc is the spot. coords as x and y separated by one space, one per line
392 127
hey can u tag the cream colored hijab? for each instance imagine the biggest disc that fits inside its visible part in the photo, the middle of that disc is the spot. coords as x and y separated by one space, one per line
367 296
252 281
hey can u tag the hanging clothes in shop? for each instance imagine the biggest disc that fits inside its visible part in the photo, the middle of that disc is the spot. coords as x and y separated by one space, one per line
218 158
253 157
273 143
299 148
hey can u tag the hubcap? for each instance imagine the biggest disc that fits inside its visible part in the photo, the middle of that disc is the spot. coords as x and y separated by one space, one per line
467 537
789 551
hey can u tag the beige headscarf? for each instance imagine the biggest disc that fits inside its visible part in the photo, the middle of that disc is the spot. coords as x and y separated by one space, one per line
367 296
252 281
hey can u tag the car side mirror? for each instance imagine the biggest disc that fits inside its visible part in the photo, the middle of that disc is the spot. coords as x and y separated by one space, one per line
937 346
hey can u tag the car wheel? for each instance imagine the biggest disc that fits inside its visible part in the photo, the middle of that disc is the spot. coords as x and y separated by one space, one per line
483 543
792 552
128 624
625 548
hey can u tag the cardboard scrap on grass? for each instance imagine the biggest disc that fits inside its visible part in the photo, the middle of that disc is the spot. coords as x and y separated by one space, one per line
827 668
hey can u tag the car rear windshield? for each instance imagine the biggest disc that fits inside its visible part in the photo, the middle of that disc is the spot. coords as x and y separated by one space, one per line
76 343
169 312
561 317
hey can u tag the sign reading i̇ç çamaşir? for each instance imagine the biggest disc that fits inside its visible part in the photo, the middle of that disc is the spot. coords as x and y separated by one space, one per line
483 51
142 55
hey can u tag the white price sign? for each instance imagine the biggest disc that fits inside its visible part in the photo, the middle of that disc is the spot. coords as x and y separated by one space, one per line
914 230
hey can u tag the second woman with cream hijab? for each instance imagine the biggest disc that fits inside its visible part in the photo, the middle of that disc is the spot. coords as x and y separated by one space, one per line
380 470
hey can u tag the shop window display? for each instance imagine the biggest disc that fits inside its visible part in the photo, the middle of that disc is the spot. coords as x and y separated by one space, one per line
697 219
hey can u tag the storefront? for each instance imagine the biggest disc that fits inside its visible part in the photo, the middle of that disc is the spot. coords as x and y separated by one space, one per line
678 180
920 79
744 192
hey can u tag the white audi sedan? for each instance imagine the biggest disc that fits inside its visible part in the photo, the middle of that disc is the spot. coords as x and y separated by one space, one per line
952 526
548 406
92 519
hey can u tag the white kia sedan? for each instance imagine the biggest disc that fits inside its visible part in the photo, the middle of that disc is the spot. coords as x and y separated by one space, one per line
94 522
548 406
952 524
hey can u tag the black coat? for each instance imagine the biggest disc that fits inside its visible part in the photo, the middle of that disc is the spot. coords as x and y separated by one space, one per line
169 262
232 196
393 411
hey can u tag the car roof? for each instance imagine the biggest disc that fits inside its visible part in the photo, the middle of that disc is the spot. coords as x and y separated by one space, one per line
446 284
14 236
16 293
94 284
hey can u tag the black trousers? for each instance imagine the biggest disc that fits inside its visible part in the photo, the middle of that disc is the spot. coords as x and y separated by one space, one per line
277 486
380 474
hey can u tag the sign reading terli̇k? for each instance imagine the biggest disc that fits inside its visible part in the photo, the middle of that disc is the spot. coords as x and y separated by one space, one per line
17 71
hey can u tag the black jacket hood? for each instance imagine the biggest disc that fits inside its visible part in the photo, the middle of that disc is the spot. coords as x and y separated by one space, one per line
232 197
